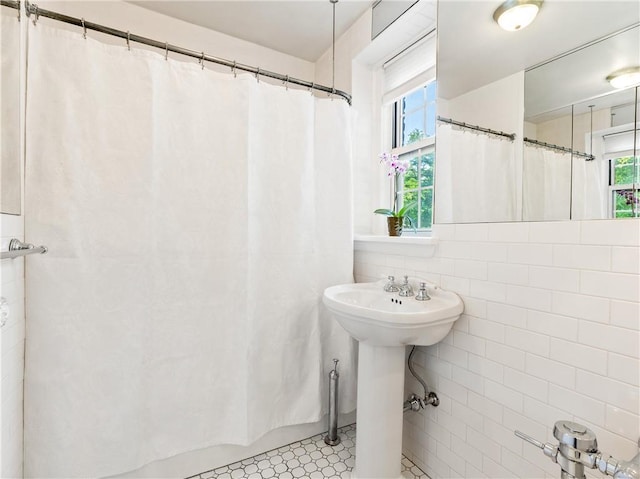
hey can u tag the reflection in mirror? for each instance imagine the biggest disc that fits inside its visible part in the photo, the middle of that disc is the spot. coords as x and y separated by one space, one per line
384 13
579 159
473 164
603 127
546 171
10 111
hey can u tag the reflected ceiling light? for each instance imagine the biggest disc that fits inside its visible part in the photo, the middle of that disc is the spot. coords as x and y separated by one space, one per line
624 78
514 15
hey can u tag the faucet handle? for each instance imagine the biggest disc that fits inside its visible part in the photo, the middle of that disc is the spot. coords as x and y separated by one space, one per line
391 286
422 293
406 289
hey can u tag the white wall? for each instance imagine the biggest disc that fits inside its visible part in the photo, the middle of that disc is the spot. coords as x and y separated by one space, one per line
550 332
129 17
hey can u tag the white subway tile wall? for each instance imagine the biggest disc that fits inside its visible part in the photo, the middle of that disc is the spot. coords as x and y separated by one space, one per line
12 336
551 330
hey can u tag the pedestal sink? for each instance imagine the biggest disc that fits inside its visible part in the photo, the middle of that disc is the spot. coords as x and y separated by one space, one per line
384 323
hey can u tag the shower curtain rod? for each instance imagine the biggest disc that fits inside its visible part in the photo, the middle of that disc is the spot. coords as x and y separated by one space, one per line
17 248
511 136
11 4
559 148
33 9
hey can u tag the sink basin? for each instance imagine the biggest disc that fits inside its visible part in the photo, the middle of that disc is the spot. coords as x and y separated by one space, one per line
373 316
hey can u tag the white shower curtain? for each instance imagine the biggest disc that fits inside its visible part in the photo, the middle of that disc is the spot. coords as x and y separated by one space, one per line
475 177
193 220
590 194
546 177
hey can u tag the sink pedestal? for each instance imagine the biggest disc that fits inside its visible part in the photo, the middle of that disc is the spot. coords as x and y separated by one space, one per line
379 413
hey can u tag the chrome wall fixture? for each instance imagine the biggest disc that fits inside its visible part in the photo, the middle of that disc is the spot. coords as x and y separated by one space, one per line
36 12
415 402
578 448
17 248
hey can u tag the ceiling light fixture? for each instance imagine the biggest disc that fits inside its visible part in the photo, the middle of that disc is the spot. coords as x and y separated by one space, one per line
624 78
514 15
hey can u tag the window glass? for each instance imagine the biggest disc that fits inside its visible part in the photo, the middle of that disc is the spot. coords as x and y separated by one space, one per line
623 170
418 115
625 203
625 200
417 186
413 127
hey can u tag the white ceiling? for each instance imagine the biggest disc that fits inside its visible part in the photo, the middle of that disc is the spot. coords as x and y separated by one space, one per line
473 51
302 28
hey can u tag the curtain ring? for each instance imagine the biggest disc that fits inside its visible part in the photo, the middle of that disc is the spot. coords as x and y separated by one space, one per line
36 14
84 30
311 88
286 83
202 60
257 75
128 41
233 70
166 50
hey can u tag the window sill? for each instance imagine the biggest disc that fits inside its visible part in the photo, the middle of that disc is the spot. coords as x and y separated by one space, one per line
424 246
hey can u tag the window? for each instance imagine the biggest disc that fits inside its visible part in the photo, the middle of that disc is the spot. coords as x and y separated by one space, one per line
625 198
413 140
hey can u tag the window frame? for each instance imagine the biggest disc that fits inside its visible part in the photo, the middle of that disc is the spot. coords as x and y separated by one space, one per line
420 147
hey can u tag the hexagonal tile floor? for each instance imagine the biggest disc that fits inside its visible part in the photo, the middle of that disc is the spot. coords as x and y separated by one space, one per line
307 459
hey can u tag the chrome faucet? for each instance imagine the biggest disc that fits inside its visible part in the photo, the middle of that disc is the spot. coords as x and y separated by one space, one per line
422 294
406 289
578 448
391 286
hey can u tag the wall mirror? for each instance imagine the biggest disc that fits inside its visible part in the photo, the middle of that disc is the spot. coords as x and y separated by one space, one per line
10 163
581 134
495 79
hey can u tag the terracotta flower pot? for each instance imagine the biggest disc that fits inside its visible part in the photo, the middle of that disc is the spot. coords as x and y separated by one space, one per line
394 224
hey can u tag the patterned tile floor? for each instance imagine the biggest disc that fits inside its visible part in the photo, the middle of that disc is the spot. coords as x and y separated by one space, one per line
307 459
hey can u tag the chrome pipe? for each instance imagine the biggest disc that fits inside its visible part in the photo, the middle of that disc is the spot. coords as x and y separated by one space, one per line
425 388
332 438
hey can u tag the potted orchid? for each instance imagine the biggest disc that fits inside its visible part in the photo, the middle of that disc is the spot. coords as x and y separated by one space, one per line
396 216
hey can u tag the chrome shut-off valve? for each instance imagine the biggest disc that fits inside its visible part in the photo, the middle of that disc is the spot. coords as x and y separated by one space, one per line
578 448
